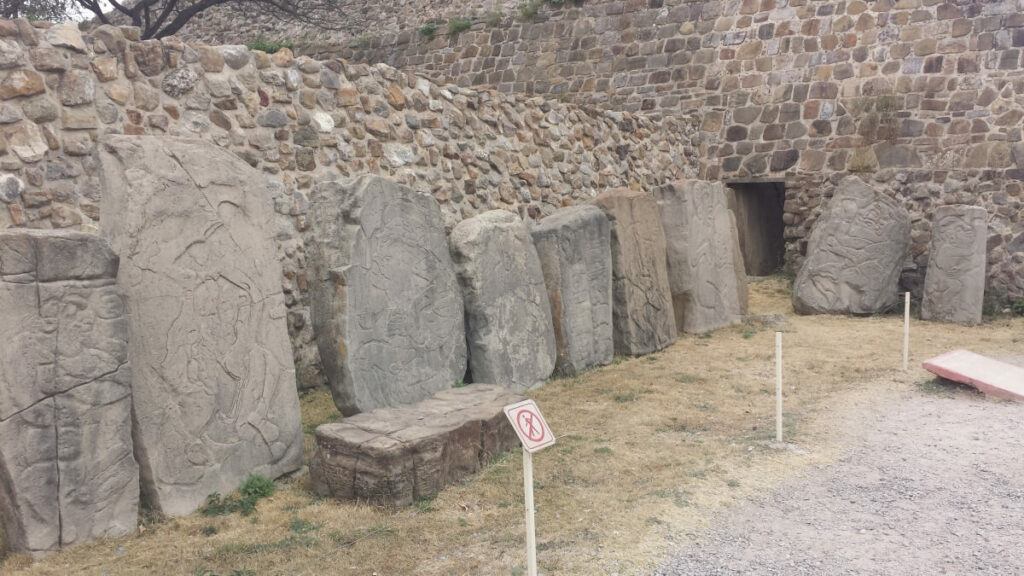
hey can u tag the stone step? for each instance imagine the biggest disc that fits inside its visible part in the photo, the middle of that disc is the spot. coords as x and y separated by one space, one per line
991 376
395 456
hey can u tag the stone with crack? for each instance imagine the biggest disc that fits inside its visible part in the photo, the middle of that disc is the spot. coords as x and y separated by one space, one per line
67 471
386 307
214 392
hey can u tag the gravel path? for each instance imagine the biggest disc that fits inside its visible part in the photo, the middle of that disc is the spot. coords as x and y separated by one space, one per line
935 486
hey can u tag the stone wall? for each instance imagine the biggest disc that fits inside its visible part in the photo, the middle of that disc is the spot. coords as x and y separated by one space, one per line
299 120
923 97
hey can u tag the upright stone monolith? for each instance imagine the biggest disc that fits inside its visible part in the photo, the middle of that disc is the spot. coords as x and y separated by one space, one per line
705 266
574 245
954 285
67 473
508 317
214 389
642 315
387 311
855 253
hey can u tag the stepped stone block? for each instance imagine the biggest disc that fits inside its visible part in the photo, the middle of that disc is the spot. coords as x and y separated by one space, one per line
954 285
574 246
67 472
705 266
395 456
214 392
508 317
643 319
855 254
386 305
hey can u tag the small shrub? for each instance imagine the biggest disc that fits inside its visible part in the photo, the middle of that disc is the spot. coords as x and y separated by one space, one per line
428 30
425 505
257 487
1017 307
457 26
268 46
209 530
254 489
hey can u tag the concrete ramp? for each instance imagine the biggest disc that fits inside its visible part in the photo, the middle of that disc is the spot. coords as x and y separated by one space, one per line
991 376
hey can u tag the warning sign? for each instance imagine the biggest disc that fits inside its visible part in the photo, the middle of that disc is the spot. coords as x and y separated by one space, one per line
530 426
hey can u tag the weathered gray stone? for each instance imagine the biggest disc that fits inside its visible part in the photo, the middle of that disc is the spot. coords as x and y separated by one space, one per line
854 254
705 269
386 305
574 246
395 456
954 285
66 464
642 314
214 393
508 317
11 188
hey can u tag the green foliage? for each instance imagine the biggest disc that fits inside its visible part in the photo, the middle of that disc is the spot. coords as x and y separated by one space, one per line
457 26
254 489
1017 307
300 526
494 18
428 30
268 46
528 10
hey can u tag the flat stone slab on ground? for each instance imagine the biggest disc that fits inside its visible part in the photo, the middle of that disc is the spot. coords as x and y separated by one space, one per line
575 253
643 320
991 376
395 456
67 470
213 391
387 310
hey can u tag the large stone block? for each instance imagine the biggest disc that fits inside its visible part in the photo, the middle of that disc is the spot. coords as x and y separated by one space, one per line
954 285
67 472
387 310
705 266
854 254
214 390
508 317
574 246
642 316
396 456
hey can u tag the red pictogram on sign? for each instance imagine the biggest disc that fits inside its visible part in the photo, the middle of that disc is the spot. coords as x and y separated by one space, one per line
529 425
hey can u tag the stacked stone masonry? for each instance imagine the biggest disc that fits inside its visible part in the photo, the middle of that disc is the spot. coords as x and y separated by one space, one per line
300 121
923 97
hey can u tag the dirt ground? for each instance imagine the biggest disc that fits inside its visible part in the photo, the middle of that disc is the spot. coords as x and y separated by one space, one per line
651 452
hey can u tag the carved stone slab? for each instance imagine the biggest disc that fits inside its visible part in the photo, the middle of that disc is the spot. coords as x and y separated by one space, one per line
642 316
386 305
854 254
705 267
508 317
574 246
395 456
954 285
214 389
67 473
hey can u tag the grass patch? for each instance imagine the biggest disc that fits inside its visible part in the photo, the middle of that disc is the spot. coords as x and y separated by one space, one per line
269 46
457 26
428 30
254 489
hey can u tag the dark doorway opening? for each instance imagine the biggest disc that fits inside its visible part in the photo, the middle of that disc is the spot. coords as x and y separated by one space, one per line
758 208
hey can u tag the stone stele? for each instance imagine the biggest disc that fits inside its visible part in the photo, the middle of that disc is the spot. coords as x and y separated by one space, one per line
395 456
67 473
854 254
387 311
574 246
954 285
705 267
642 316
214 392
508 317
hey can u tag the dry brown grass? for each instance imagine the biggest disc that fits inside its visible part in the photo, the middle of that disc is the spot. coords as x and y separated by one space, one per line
649 448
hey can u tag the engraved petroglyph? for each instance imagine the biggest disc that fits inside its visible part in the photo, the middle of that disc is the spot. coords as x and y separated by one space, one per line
214 390
387 309
67 472
855 254
954 286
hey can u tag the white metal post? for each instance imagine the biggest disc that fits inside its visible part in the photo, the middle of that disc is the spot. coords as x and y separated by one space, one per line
906 331
778 387
531 535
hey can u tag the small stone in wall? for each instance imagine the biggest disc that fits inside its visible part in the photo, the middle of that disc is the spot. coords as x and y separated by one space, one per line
66 36
20 83
11 54
179 82
28 143
11 188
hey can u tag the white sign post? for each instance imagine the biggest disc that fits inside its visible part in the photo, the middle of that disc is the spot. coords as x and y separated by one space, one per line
535 435
906 331
778 387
